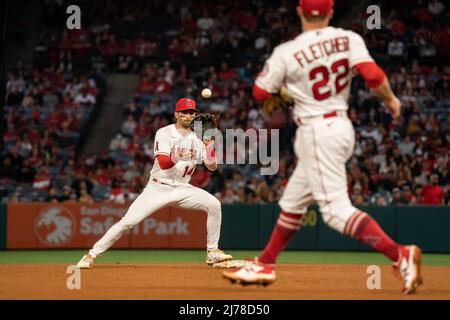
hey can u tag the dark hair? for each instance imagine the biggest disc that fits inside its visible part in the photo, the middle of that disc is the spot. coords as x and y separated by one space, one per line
311 19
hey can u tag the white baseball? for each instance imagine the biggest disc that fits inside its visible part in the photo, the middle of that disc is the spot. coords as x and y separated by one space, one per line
206 93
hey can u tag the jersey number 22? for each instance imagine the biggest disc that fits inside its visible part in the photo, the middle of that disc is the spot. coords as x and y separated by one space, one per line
322 75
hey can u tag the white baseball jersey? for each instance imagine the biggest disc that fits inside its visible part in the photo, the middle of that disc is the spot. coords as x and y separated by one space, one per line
169 140
316 69
171 189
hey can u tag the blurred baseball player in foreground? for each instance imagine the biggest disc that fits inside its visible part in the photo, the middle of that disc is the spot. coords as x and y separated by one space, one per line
178 150
316 69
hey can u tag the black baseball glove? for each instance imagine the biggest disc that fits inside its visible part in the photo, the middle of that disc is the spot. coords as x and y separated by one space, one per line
204 125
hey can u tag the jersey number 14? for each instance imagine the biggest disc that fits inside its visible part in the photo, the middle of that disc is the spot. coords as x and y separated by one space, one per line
187 171
320 88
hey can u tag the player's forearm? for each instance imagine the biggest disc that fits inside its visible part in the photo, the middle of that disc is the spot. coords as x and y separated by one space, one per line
391 102
384 91
164 161
375 79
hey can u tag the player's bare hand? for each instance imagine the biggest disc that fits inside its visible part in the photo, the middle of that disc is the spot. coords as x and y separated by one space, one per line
394 106
182 155
185 155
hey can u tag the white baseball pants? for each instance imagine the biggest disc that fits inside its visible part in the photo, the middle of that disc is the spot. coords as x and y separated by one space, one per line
156 196
322 146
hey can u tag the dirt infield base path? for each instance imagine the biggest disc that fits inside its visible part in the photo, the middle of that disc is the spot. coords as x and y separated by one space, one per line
188 281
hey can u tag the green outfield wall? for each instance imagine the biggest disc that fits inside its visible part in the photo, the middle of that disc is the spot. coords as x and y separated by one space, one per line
250 227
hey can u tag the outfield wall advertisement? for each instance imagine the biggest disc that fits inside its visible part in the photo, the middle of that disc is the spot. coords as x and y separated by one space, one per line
74 225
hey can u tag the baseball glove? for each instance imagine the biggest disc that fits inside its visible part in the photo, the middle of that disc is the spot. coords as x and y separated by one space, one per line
204 125
279 100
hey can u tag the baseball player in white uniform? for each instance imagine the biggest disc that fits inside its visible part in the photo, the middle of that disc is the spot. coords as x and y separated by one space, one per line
177 150
316 67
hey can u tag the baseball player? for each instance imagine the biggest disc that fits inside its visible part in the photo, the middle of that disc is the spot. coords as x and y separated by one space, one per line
177 150
316 68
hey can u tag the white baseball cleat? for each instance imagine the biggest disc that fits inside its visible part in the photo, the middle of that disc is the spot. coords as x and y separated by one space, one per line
252 273
409 268
216 255
85 262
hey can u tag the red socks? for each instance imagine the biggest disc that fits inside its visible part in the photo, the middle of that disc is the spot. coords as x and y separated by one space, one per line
360 226
287 225
365 229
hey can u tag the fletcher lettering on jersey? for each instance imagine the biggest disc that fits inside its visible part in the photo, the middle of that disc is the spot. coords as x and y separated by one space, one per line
322 49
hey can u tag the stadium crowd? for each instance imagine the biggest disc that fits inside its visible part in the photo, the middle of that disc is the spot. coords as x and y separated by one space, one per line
221 46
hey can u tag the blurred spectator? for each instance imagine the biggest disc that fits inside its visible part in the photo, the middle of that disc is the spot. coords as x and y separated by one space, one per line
52 196
382 199
121 194
49 106
441 170
84 98
397 197
229 197
432 194
406 146
436 7
396 48
408 195
81 181
85 197
42 179
68 194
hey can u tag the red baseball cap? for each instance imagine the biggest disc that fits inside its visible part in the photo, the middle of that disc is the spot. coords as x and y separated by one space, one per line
316 8
185 104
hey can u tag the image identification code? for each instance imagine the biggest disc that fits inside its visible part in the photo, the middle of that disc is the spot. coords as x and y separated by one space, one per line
229 310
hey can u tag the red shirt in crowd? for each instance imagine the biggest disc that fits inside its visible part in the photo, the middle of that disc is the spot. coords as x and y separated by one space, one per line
65 45
127 49
11 135
163 87
431 195
102 178
42 180
422 15
249 21
410 197
111 48
441 40
56 119
228 74
34 135
398 28
146 86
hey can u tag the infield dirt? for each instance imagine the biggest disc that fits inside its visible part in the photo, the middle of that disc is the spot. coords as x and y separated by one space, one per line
188 281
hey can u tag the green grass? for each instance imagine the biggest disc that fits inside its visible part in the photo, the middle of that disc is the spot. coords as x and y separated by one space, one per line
152 256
